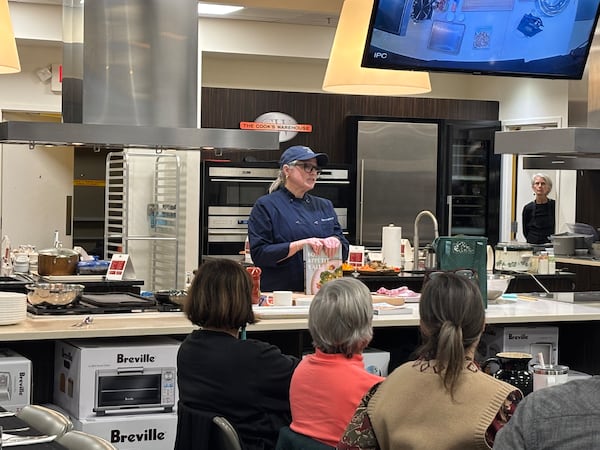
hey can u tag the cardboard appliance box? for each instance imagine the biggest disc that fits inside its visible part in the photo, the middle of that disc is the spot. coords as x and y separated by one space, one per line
15 380
376 361
133 432
532 340
103 376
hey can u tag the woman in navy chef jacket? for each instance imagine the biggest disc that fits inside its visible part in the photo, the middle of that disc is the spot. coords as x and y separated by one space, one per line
287 218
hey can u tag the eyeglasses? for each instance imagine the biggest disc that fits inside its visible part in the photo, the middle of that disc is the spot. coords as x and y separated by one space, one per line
470 274
308 168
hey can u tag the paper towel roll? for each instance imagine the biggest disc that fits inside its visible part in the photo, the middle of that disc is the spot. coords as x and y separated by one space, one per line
391 243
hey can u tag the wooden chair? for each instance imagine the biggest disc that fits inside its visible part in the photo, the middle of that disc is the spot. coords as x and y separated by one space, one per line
45 420
78 440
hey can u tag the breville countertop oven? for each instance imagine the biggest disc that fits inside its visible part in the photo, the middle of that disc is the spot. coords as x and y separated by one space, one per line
229 190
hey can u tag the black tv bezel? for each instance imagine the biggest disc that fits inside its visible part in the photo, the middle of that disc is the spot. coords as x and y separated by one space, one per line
412 64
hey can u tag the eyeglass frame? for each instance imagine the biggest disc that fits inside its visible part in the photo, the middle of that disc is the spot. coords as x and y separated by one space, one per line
429 275
304 165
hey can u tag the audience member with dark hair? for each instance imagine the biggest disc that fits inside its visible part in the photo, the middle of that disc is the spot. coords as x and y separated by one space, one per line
246 381
442 400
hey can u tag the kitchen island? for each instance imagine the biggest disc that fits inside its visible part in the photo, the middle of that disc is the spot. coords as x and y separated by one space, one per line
34 337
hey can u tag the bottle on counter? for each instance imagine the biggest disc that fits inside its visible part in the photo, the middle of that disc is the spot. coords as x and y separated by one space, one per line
551 263
543 264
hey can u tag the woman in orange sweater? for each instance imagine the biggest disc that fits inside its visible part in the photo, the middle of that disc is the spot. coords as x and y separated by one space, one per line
327 386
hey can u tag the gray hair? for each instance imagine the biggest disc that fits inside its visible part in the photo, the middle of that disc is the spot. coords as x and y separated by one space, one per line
340 318
544 177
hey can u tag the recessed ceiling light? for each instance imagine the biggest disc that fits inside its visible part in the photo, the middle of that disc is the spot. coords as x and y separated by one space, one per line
217 10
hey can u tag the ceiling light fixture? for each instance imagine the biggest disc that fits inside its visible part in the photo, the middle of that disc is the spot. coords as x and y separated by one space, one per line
9 58
345 75
216 9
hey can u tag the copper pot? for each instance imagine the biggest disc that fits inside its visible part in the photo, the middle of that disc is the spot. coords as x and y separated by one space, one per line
57 261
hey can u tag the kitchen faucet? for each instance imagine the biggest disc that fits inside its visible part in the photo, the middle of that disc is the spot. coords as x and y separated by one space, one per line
416 234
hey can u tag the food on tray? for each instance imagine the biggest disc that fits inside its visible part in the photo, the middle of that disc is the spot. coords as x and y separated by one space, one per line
347 267
377 266
397 292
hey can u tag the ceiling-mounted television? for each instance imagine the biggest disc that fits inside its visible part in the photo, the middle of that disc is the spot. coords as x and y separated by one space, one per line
532 38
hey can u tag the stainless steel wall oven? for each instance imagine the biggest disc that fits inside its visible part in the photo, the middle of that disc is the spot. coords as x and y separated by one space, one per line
229 190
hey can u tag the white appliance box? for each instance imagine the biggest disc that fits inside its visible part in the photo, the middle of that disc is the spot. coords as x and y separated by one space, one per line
133 432
15 380
533 340
376 361
78 364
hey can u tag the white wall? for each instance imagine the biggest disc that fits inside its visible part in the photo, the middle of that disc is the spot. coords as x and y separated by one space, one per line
259 55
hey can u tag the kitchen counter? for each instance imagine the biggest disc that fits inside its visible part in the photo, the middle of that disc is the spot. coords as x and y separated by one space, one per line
580 260
560 282
399 334
175 323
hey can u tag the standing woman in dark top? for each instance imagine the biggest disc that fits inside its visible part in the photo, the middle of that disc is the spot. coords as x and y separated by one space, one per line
246 381
539 215
288 217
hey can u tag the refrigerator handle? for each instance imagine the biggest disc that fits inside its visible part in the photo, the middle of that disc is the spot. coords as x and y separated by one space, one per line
449 202
360 203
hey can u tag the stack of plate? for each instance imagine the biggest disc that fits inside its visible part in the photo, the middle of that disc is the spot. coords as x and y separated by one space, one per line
13 307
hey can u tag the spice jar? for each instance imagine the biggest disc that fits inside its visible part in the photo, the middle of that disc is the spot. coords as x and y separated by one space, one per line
255 274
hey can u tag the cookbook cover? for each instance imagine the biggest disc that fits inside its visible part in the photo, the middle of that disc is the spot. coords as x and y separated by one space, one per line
319 269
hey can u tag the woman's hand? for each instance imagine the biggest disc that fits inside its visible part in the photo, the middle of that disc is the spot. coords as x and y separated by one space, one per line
315 243
330 245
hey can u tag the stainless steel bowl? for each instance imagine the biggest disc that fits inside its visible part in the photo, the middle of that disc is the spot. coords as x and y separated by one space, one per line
54 294
497 285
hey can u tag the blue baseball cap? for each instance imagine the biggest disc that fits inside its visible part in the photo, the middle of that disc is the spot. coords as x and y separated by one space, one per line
302 153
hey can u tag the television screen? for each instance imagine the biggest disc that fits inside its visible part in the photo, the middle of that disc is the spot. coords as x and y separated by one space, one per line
535 38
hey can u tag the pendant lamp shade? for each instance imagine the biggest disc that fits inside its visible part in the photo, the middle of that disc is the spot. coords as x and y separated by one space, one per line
345 75
9 58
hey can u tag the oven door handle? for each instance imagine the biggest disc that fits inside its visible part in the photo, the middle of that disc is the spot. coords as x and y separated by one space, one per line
332 182
127 370
228 231
241 180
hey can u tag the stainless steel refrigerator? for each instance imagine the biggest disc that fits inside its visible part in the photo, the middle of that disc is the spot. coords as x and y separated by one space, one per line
404 166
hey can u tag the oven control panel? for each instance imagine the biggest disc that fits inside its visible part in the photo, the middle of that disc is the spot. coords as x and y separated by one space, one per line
168 386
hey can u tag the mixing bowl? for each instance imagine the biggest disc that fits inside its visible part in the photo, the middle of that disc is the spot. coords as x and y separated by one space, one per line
54 294
497 285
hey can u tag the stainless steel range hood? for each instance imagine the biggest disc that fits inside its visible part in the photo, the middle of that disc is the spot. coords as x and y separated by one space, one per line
130 81
129 136
575 147
553 148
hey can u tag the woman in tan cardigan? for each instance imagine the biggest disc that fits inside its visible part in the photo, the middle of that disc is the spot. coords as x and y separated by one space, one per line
442 400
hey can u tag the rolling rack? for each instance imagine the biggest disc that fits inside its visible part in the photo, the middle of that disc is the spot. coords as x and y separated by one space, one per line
153 241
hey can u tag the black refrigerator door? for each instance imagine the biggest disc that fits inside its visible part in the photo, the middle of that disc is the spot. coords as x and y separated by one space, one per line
469 198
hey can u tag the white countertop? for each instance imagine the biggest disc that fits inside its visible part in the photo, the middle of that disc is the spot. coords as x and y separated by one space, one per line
584 261
149 324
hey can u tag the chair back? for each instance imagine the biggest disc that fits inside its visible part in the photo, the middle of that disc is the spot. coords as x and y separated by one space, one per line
78 440
204 430
45 420
290 440
227 437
